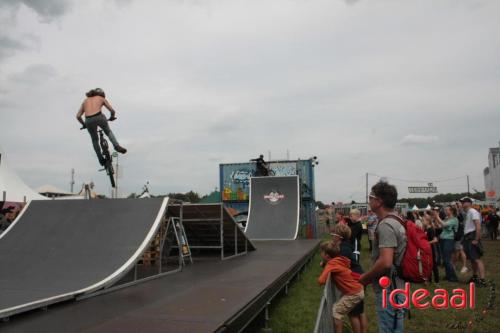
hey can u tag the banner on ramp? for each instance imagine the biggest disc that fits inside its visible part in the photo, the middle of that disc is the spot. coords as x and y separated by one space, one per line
273 212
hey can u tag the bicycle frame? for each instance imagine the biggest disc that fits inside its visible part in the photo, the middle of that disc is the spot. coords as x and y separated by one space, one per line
108 159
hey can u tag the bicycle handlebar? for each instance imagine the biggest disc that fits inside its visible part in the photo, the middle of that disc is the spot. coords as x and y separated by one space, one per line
110 119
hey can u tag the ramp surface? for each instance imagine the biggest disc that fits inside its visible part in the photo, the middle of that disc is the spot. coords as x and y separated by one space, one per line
209 296
274 208
57 250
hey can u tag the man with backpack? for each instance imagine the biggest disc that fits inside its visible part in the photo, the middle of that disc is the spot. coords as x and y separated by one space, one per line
389 247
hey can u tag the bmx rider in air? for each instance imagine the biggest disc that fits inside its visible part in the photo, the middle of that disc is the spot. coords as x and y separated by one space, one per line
94 118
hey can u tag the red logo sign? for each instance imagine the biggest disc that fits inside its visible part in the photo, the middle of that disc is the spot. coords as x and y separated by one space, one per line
422 298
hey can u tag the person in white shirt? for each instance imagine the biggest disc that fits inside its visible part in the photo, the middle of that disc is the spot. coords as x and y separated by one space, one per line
472 241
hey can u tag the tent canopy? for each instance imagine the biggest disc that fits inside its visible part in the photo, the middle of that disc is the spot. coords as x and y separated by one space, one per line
50 189
13 187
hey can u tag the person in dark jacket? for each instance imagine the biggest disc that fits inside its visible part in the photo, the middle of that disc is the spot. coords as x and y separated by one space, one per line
356 231
341 233
262 166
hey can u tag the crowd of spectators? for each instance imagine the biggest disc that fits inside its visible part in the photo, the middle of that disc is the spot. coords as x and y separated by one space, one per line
454 232
8 213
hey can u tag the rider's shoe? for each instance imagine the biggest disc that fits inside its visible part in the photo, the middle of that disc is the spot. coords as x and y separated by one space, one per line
120 149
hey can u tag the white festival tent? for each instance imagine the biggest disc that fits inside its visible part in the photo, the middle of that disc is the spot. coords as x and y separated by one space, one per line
12 188
55 193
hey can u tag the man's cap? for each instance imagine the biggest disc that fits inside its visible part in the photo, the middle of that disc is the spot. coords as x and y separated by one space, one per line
466 199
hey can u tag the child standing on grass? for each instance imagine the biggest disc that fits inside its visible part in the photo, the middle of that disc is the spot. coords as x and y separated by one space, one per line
341 234
339 268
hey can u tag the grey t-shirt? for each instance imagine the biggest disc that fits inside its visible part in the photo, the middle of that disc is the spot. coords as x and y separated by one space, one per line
390 233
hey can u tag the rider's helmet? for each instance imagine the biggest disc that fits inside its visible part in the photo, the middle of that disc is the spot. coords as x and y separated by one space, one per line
96 92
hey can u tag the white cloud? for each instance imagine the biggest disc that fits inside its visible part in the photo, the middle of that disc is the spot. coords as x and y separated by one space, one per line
414 139
196 83
47 10
34 74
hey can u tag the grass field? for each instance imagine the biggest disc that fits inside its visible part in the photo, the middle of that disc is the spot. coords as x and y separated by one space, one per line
297 311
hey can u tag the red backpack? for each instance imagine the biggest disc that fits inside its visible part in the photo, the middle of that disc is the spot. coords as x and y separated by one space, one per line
416 265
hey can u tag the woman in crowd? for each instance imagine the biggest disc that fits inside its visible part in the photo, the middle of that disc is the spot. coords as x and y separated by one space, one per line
435 213
339 218
447 240
410 216
417 217
433 240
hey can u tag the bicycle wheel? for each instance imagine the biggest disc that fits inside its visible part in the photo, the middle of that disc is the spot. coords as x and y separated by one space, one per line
111 173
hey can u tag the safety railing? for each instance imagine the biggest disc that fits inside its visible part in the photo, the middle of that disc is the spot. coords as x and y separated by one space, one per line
324 319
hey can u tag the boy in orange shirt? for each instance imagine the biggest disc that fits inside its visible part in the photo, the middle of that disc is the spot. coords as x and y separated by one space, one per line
339 268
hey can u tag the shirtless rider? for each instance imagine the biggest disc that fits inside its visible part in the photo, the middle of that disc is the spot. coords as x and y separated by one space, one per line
94 118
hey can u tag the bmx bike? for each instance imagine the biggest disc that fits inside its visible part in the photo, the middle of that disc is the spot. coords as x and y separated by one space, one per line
108 158
270 173
265 172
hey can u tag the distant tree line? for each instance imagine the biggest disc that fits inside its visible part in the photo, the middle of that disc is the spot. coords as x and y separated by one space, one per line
448 197
423 202
190 196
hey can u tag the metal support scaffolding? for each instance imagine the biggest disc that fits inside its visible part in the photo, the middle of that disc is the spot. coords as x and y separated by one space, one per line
163 233
210 226
222 232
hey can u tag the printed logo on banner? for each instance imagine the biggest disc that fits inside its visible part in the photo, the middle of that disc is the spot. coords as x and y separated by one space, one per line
274 197
241 176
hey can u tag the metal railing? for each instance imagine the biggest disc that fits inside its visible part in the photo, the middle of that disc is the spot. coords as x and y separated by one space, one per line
324 319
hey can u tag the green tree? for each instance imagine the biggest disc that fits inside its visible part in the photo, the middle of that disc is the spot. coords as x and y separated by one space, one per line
442 197
190 196
320 205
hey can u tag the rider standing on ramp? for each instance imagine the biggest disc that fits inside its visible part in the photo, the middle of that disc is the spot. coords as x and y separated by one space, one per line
94 118
262 166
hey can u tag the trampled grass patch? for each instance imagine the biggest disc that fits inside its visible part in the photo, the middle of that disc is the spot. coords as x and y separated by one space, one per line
297 311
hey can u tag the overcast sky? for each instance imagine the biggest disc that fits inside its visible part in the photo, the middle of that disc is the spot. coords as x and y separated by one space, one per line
409 90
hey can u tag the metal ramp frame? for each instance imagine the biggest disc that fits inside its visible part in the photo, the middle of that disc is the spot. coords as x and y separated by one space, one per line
211 227
166 240
182 240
